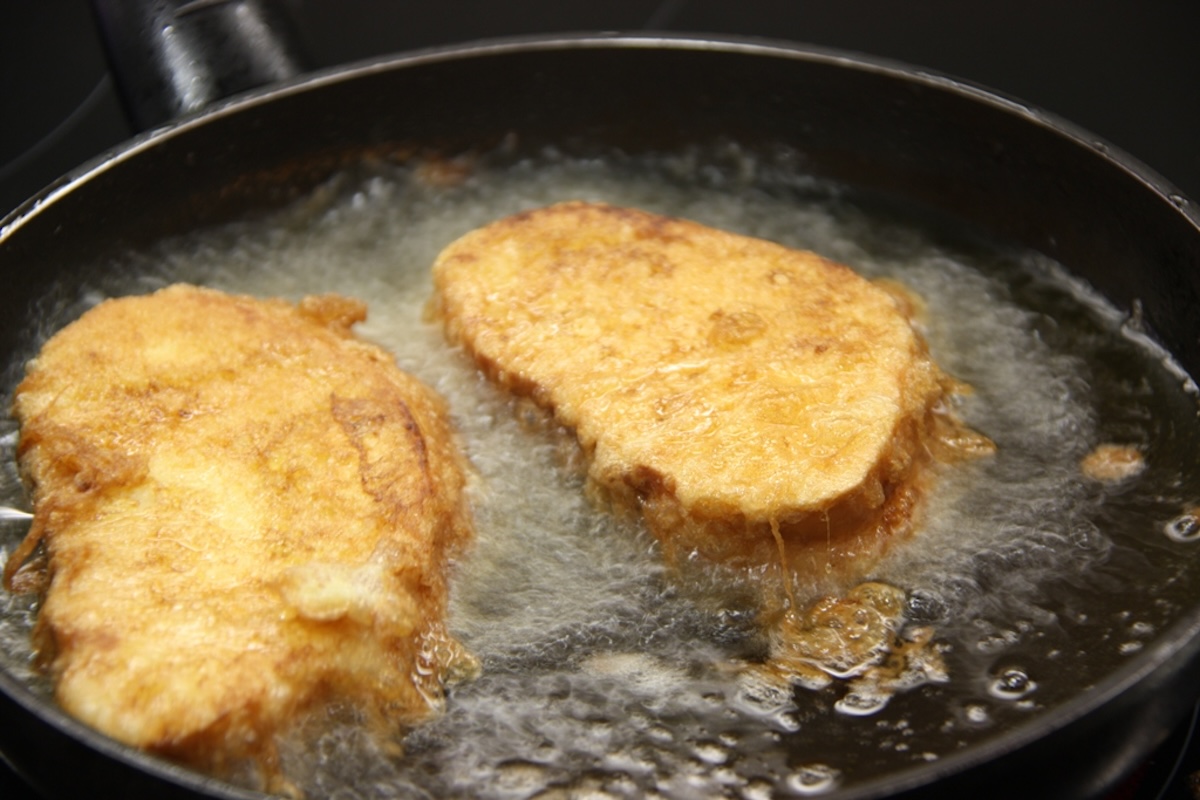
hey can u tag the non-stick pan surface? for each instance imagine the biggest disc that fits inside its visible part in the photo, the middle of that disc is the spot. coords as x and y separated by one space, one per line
930 149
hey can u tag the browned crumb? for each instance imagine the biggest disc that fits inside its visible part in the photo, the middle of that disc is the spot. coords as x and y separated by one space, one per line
444 173
859 638
1113 463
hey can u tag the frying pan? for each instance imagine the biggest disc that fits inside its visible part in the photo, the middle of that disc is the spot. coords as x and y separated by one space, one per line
938 150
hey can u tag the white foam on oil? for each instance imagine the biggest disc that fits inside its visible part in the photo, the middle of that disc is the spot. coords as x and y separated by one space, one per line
601 676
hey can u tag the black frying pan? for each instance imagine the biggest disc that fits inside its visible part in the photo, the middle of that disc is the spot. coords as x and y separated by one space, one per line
924 146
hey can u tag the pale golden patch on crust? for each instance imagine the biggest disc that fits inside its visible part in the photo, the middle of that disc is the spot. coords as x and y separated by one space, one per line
246 511
717 384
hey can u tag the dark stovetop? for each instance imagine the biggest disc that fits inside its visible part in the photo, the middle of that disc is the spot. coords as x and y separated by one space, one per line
1126 71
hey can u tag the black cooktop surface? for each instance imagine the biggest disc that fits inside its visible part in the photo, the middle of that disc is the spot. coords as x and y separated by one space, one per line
1127 71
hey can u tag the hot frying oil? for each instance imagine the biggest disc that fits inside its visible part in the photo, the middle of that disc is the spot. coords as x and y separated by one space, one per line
605 674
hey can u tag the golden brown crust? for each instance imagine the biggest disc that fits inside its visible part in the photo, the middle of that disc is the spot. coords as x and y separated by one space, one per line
723 386
246 511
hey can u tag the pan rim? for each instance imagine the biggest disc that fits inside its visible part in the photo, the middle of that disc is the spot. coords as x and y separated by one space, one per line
616 40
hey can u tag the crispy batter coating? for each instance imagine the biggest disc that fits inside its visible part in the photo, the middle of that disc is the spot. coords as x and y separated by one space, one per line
246 512
747 398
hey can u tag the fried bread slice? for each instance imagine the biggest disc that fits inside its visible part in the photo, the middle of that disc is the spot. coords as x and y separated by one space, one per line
745 397
246 511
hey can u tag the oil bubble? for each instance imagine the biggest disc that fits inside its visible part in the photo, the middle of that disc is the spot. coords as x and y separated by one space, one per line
622 785
589 787
997 641
726 776
660 735
1011 684
1184 528
761 697
813 779
628 761
787 721
862 703
522 778
758 789
977 714
924 607
710 753
1141 629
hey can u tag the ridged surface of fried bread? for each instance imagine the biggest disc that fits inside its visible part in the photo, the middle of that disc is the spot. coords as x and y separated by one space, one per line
246 511
728 387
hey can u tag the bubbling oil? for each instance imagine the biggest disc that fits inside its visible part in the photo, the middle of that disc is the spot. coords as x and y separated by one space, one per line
604 674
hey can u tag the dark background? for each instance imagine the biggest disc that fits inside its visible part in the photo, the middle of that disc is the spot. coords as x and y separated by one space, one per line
1128 71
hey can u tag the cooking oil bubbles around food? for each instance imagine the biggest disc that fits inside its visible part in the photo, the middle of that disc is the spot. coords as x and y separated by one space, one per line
758 789
597 682
710 752
813 779
520 778
977 715
1142 630
861 703
1185 528
760 695
1011 683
